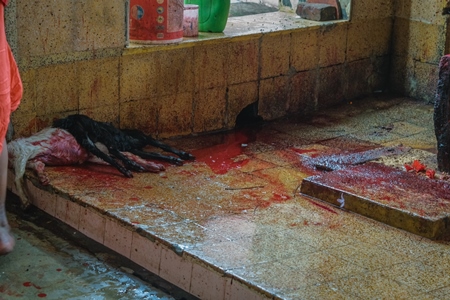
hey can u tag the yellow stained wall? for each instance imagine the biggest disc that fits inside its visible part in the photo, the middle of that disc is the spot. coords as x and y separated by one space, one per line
73 59
419 39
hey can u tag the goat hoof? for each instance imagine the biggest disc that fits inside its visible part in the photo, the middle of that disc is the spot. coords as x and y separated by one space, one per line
128 173
188 156
177 162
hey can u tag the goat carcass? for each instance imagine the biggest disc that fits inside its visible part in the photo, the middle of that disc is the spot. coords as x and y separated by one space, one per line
77 139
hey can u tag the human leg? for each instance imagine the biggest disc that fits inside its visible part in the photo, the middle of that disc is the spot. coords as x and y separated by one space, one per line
6 239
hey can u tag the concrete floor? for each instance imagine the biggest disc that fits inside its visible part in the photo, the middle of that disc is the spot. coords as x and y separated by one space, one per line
233 224
52 261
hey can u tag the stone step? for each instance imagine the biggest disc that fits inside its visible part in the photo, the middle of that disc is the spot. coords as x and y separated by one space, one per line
182 267
398 198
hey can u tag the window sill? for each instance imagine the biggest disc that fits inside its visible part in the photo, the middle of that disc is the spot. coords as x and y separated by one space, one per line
251 25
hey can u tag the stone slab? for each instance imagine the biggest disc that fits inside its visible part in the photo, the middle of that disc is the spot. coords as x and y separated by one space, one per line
316 12
334 3
344 160
403 200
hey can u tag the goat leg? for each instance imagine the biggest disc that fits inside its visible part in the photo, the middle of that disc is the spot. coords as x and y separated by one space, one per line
39 169
82 137
90 146
148 140
25 201
182 154
149 166
129 164
154 155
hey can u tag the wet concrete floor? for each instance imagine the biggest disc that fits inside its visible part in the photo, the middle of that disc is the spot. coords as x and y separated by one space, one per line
52 261
234 225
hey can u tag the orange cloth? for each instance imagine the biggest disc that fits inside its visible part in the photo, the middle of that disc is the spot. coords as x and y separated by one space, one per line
10 83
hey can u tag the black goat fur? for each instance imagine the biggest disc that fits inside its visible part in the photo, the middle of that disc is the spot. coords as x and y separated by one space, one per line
87 132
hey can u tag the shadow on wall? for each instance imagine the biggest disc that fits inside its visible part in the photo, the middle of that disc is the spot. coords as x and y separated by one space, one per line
400 79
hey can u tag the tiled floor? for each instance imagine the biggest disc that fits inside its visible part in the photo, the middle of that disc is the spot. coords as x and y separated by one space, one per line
233 225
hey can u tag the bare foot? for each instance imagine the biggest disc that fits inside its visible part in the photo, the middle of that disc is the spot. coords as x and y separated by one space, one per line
7 241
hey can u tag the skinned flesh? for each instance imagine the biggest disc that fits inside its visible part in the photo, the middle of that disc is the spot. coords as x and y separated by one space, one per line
55 147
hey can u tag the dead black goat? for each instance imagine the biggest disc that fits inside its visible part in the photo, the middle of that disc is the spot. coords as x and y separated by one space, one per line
89 133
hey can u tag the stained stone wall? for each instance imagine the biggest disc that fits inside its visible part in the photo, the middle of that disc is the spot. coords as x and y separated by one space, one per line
74 58
420 39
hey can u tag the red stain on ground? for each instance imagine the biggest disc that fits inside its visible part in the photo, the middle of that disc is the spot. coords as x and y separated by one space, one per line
42 295
280 197
93 172
222 157
187 173
391 186
322 206
28 284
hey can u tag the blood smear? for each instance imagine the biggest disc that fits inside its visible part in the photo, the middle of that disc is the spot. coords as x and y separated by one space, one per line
220 157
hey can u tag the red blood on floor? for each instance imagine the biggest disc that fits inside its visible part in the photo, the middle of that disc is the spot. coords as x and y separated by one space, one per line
280 197
323 207
221 158
28 284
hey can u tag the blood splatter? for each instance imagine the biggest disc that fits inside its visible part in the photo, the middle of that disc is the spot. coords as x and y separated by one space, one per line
280 197
222 157
29 284
42 295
